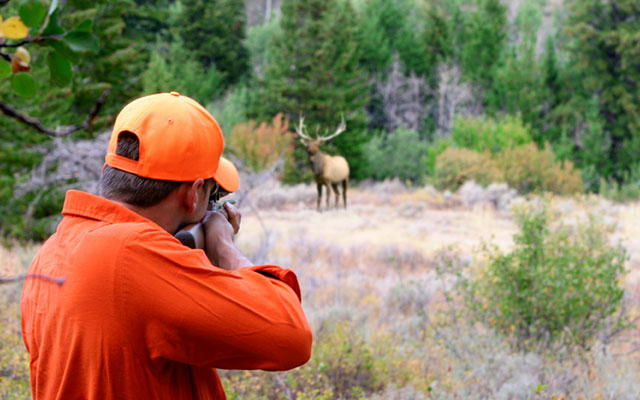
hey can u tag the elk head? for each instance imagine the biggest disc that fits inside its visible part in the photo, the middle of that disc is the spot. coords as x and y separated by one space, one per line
313 144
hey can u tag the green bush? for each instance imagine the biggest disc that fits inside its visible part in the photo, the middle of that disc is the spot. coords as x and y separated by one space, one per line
400 155
487 134
529 169
627 190
456 166
558 285
342 366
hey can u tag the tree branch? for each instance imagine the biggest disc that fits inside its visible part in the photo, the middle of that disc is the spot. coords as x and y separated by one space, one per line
62 130
28 40
18 278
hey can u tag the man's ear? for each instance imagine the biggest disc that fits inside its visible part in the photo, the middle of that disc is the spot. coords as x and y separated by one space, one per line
191 194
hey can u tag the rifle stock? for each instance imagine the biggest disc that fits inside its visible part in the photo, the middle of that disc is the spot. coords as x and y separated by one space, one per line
192 236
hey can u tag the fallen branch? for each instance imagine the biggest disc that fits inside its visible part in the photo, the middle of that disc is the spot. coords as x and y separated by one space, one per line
18 278
60 131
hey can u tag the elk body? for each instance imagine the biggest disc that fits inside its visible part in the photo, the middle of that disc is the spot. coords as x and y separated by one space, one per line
329 171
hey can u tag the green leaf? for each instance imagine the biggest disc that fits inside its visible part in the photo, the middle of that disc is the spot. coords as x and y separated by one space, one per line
63 49
24 85
82 41
5 68
53 27
84 26
53 7
60 68
32 13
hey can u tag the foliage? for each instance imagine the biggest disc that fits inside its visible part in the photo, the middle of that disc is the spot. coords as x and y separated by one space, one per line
482 40
14 360
231 108
558 285
344 365
65 45
214 33
602 39
388 27
115 66
262 145
174 69
455 166
627 191
527 168
399 155
488 134
257 44
315 56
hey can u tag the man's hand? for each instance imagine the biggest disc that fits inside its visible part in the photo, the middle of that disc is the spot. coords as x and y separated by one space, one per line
220 228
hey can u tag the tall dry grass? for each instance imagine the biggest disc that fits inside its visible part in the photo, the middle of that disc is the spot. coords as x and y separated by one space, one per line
384 327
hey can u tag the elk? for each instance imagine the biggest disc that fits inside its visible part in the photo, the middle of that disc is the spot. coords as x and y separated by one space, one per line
327 170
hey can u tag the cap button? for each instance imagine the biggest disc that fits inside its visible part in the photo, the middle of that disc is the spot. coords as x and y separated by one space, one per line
176 94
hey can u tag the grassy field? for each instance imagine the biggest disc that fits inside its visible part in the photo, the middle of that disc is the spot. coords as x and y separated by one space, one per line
384 326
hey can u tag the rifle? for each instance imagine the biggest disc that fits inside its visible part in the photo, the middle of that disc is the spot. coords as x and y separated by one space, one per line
192 235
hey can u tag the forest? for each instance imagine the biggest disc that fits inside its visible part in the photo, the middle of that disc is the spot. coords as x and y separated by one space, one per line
541 94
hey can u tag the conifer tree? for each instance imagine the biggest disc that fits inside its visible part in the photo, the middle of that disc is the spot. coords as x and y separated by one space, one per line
314 70
214 31
603 38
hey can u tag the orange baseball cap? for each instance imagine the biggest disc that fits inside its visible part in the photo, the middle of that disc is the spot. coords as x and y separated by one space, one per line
179 141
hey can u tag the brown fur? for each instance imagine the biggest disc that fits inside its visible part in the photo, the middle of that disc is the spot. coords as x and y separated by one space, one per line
329 171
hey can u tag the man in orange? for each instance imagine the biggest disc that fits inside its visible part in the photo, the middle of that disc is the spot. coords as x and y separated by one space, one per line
139 315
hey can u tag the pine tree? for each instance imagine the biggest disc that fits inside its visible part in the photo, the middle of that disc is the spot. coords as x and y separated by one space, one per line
482 40
214 31
314 70
603 39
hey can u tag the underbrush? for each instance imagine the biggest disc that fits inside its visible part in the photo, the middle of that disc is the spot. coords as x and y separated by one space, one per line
392 323
14 361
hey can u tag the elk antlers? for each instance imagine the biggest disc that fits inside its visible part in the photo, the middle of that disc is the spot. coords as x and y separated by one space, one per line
300 130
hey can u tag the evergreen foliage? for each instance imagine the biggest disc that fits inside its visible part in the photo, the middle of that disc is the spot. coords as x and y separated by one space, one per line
482 40
381 64
602 39
214 32
314 71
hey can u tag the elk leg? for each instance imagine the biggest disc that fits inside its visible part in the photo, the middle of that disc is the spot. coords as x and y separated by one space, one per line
345 184
337 192
319 195
328 194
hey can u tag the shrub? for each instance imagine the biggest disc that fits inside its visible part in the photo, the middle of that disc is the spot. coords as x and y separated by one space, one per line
529 169
627 190
342 366
231 109
558 285
486 134
261 146
455 166
400 155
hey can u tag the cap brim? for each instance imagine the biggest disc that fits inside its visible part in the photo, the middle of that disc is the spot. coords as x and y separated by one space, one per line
227 176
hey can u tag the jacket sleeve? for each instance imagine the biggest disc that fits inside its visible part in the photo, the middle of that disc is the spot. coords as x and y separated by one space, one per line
182 308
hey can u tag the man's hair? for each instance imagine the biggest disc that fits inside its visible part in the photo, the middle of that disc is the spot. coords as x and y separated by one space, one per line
130 188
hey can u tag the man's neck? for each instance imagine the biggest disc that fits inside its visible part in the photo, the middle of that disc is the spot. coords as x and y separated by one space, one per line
163 214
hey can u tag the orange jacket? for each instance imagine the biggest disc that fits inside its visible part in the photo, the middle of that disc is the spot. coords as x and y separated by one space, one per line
140 316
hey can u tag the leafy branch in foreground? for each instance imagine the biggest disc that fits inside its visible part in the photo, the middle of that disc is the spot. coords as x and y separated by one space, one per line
62 130
37 25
